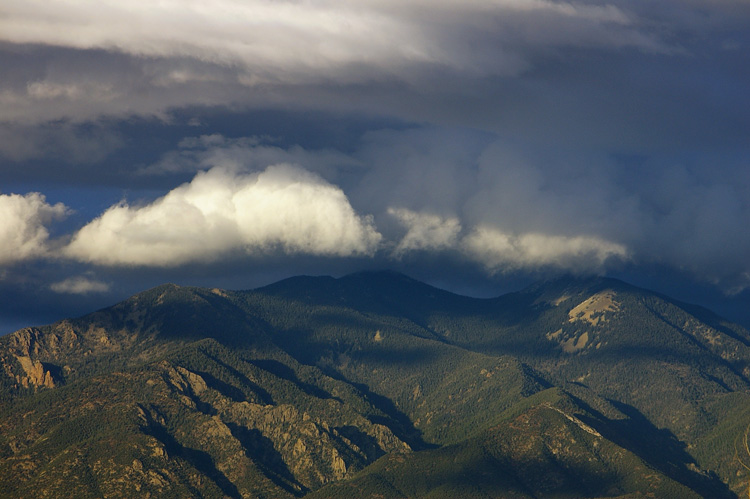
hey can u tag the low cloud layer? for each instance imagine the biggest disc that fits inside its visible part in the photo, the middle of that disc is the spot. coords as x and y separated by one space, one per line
457 194
400 194
79 285
24 222
425 231
502 252
589 210
283 208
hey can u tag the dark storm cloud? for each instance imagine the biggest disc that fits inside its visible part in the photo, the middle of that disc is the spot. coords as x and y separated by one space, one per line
685 212
626 76
325 54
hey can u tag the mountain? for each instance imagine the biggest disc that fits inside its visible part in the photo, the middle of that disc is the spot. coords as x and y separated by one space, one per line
543 451
375 384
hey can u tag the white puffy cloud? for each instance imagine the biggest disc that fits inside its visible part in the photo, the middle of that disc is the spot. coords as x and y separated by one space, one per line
283 208
500 251
79 285
23 226
426 231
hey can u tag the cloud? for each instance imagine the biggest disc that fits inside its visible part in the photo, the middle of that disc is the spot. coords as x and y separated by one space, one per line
58 141
79 285
425 231
23 230
511 204
502 252
693 216
247 153
290 40
455 193
78 61
610 74
426 169
284 208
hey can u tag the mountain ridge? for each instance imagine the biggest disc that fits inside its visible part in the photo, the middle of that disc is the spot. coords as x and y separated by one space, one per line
377 363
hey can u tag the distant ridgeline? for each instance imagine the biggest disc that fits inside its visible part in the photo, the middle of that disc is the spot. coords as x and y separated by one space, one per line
376 385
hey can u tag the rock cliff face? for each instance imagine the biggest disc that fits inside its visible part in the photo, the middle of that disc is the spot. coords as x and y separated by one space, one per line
35 373
25 371
313 447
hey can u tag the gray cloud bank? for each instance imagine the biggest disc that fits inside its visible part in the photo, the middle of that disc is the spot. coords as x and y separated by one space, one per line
304 42
501 206
609 74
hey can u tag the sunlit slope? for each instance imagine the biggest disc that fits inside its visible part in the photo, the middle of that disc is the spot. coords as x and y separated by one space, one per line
540 450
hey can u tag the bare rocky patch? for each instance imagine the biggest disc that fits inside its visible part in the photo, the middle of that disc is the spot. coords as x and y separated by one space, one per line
594 308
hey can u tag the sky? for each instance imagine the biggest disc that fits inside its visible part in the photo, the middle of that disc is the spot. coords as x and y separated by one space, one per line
475 145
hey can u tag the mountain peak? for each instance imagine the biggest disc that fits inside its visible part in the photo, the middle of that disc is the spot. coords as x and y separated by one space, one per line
372 290
387 280
558 290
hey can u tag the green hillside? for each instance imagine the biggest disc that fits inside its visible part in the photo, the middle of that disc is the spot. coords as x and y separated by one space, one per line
541 451
378 385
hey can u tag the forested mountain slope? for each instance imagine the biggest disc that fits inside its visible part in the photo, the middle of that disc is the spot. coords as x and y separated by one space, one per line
378 384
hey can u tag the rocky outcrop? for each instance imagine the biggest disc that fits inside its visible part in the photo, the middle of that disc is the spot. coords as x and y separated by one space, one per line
36 375
302 449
